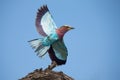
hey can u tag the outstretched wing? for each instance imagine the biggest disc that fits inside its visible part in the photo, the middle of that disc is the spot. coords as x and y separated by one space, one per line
60 50
44 22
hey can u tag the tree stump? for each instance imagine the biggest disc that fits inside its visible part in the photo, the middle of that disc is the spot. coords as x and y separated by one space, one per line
47 74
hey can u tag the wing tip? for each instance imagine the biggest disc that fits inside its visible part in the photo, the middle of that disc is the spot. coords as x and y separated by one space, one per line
42 10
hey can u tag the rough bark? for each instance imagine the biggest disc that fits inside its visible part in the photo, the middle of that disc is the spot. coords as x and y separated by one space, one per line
47 74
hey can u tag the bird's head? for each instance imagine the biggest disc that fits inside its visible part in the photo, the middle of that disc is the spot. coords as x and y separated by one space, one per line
65 28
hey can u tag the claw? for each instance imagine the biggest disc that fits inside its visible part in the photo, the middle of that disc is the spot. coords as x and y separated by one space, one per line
53 65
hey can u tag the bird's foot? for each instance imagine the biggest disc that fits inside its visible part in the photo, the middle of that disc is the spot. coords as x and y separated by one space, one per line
53 65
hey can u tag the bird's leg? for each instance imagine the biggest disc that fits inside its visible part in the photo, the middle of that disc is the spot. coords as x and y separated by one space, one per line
53 65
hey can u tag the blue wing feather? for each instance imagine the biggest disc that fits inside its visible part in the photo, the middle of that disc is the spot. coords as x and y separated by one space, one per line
60 50
44 22
48 24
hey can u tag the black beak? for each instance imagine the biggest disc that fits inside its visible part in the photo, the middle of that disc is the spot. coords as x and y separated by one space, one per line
72 28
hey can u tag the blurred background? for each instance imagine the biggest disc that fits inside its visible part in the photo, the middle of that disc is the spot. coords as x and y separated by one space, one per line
93 46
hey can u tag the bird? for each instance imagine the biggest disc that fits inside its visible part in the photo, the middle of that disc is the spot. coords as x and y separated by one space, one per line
52 38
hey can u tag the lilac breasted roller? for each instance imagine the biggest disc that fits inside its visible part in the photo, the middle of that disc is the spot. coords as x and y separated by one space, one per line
52 41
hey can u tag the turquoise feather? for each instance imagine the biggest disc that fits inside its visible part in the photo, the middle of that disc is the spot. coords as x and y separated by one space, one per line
60 50
50 39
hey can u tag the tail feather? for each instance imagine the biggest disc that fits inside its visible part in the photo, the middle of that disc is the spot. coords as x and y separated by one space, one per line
43 51
35 43
40 49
